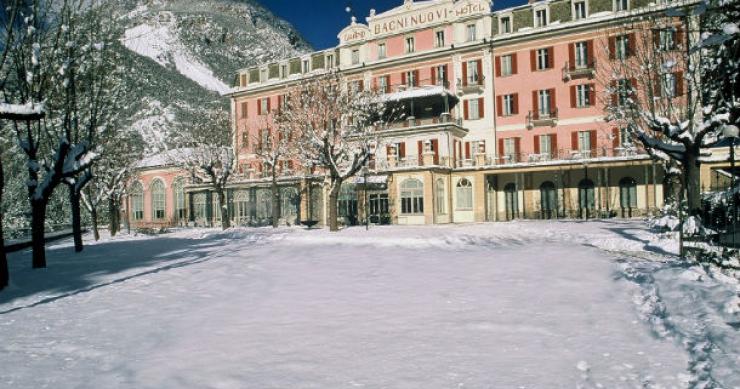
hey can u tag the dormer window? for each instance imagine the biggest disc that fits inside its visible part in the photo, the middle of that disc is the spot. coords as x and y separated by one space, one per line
283 71
505 27
471 32
410 45
355 56
382 52
263 75
306 68
330 61
621 5
579 10
439 40
540 17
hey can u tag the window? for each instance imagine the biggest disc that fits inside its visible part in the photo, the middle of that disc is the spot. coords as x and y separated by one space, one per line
330 61
507 68
244 109
472 71
199 206
506 24
283 71
439 38
179 197
628 192
508 105
621 5
540 18
471 32
622 47
579 10
586 195
548 199
543 59
624 136
545 145
383 84
305 66
411 78
666 39
241 207
158 199
583 96
584 141
410 46
264 106
668 85
216 207
243 80
355 56
624 92
544 97
440 197
474 109
464 194
137 201
510 150
581 55
412 197
263 75
441 74
381 51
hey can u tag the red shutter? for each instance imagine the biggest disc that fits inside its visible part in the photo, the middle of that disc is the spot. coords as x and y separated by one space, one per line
553 101
612 47
515 100
416 78
615 138
513 63
465 110
591 95
269 105
533 59
679 37
536 144
571 56
467 150
435 147
481 110
535 105
574 140
361 85
614 93
434 75
517 148
446 72
656 38
465 74
402 150
679 83
550 57
657 88
498 66
403 78
259 106
554 145
499 105
590 52
420 151
388 151
592 135
280 102
573 102
480 72
501 147
630 44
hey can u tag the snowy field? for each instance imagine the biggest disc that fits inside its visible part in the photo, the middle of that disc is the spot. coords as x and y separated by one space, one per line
507 305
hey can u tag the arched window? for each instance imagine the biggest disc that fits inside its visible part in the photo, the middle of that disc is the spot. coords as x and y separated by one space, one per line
548 200
347 202
199 206
440 197
464 194
137 201
178 191
158 199
586 195
628 192
264 205
241 207
289 202
412 196
216 207
511 198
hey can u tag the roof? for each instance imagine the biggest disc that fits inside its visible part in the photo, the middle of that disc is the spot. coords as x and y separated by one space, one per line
417 92
165 158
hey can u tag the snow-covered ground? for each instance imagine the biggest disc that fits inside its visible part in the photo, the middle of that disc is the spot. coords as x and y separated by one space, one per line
507 305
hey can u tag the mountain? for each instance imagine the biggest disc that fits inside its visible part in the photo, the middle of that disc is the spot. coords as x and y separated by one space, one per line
184 53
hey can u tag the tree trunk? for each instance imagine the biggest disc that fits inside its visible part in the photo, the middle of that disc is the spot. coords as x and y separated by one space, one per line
94 220
38 218
74 201
692 172
113 214
4 271
275 201
225 222
333 201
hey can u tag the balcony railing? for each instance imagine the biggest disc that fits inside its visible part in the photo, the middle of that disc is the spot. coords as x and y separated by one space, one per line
471 84
538 119
574 70
414 122
566 155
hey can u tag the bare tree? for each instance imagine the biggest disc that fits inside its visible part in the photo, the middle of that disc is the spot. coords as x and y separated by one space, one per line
204 148
337 124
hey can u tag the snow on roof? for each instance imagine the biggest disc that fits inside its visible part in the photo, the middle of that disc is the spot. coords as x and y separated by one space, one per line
416 92
165 158
20 110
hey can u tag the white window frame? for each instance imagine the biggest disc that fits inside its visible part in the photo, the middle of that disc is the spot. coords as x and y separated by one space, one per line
509 150
471 32
159 199
463 195
441 197
538 20
510 18
410 44
329 61
668 85
473 109
617 5
574 9
543 58
411 79
473 76
414 197
382 50
437 41
621 46
546 144
508 105
283 71
666 39
581 55
305 65
355 56
507 64
263 74
582 96
544 98
584 139
382 84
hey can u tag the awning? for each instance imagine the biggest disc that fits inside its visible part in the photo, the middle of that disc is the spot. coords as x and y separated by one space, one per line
418 92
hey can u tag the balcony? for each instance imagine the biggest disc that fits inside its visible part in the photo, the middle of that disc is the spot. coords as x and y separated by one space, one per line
542 119
567 155
573 71
470 85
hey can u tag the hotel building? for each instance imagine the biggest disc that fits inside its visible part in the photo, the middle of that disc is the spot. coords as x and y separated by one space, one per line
504 119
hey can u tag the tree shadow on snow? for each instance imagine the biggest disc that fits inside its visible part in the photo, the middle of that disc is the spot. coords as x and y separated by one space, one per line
70 274
627 233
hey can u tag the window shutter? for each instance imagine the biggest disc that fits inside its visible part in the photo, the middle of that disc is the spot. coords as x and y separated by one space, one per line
550 57
479 64
513 63
420 151
434 75
498 66
416 78
656 38
402 150
630 44
517 148
515 99
435 148
465 110
614 93
361 85
375 84
615 138
592 135
259 107
612 47
501 147
446 72
533 59
388 151
553 101
574 140
572 56
467 150
679 83
280 102
591 95
244 106
465 74
535 105
573 100
499 106
269 105
403 78
554 145
658 87
481 110
536 144
679 37
590 52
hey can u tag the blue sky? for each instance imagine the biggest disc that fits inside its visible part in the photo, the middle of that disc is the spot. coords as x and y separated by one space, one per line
319 21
